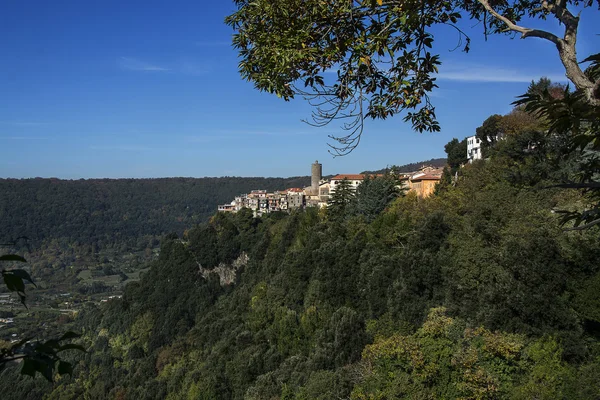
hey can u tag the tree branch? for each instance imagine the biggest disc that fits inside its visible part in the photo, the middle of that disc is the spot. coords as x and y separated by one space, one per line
565 45
525 32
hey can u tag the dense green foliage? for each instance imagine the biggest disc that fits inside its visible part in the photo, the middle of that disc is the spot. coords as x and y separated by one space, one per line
445 359
457 154
108 211
349 307
477 292
575 125
340 200
373 195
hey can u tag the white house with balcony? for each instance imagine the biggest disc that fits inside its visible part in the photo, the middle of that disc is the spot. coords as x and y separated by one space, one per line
473 148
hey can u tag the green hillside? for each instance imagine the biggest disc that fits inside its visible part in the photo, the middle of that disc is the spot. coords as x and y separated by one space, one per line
476 292
434 162
108 211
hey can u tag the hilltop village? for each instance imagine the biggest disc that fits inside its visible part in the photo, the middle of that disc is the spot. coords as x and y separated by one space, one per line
422 182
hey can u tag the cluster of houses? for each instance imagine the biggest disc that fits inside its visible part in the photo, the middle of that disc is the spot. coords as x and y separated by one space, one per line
422 182
261 202
5 298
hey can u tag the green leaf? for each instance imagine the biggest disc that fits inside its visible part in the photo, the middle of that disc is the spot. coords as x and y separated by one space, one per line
69 335
71 346
593 57
12 257
29 367
46 369
49 346
13 283
65 368
23 275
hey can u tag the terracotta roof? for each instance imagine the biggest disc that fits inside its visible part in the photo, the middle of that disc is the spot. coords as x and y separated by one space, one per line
297 190
427 177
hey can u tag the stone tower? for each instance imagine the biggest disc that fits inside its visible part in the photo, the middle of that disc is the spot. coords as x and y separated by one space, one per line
316 172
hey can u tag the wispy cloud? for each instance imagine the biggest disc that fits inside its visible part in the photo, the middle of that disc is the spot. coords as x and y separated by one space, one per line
234 134
20 138
180 67
438 93
485 73
133 64
205 139
133 148
23 123
17 136
190 68
244 132
479 73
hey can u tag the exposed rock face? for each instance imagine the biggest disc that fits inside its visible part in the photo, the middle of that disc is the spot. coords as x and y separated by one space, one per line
227 272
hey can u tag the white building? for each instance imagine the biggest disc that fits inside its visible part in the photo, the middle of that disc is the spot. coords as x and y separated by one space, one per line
227 207
353 179
473 148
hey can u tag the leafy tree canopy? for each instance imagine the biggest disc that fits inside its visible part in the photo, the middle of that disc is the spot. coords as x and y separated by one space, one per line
381 52
338 308
434 162
340 199
572 120
457 153
374 194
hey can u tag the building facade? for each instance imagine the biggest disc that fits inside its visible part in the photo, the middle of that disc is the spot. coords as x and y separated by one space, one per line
473 148
422 182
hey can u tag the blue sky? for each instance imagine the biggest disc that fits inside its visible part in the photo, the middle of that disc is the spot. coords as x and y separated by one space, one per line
151 89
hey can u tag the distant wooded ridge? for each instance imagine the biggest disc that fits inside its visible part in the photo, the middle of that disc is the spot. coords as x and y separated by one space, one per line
108 211
434 162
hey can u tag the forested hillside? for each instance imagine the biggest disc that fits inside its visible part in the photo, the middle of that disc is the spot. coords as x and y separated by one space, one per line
474 293
485 287
105 211
108 211
434 162
86 238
